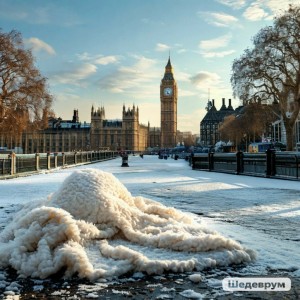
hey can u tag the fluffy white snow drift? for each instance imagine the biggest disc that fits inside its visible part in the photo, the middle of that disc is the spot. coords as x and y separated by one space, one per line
93 227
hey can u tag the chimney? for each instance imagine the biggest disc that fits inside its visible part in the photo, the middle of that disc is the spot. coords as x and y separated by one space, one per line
223 104
229 105
75 116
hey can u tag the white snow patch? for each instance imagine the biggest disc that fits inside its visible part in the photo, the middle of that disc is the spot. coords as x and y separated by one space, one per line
58 293
138 275
154 285
126 293
94 227
92 295
215 283
38 287
195 278
191 294
92 288
167 290
164 296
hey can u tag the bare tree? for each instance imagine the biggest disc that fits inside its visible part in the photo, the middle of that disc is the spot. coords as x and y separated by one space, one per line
249 125
24 99
271 70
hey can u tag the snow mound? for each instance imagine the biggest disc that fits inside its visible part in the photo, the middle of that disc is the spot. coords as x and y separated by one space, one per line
93 227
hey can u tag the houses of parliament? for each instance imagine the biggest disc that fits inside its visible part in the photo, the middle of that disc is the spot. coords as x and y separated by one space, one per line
119 134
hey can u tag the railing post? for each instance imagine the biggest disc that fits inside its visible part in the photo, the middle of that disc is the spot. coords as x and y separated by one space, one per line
270 162
239 162
48 161
55 160
75 158
193 162
63 159
297 170
12 163
37 161
210 161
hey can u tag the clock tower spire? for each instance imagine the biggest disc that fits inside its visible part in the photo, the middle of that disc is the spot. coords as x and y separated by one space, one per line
168 108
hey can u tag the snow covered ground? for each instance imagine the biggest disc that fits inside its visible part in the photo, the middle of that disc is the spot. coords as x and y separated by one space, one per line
260 214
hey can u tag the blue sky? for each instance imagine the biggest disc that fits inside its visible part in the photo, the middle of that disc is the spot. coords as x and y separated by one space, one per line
113 52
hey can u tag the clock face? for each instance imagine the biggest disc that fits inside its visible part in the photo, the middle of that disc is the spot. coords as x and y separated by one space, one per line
168 91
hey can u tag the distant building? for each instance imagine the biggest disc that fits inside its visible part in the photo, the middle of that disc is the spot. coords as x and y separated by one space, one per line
211 122
279 132
60 136
126 133
168 108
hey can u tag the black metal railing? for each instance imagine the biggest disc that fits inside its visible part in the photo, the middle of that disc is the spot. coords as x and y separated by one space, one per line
13 164
269 164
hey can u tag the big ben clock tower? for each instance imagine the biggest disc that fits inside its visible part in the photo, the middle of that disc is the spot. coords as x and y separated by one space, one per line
168 108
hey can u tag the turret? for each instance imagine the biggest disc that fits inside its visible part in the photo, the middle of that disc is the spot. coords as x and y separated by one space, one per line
75 116
223 104
97 117
229 105
168 71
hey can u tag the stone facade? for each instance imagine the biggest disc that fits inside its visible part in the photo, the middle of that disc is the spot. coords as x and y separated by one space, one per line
168 108
209 126
60 136
122 134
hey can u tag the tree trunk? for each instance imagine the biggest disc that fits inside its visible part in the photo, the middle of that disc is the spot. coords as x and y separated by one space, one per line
289 127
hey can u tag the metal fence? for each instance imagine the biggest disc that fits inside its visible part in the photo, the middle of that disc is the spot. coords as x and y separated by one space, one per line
269 164
13 164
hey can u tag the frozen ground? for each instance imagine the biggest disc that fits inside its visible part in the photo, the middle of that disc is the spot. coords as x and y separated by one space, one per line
261 214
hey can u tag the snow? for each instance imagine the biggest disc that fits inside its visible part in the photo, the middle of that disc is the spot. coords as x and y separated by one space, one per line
191 294
102 221
93 220
195 278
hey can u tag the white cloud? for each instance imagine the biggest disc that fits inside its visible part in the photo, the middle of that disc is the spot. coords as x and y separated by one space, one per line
217 54
98 59
162 47
128 77
219 19
105 60
279 5
224 20
39 45
143 63
182 50
255 12
76 74
203 80
235 4
267 9
219 42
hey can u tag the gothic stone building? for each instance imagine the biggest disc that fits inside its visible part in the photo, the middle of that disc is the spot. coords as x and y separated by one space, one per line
125 134
60 136
209 125
119 134
168 108
128 133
